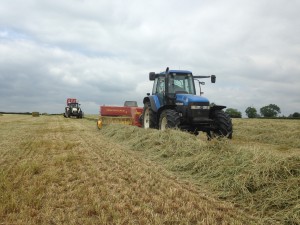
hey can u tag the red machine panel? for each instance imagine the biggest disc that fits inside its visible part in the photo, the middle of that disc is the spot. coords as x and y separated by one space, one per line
71 100
122 111
136 112
115 111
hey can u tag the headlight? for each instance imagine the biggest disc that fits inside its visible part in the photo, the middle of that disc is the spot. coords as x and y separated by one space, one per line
199 107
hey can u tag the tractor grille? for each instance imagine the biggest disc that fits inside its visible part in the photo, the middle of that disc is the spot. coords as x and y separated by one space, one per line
198 112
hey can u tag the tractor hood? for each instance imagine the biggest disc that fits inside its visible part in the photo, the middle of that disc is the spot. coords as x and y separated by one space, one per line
185 99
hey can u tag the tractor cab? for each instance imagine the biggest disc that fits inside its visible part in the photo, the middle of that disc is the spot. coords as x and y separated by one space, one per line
176 86
74 105
176 82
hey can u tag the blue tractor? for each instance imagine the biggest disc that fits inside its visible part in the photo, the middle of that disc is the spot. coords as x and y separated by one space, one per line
174 104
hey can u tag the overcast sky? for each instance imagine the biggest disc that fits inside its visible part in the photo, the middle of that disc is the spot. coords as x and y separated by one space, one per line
101 52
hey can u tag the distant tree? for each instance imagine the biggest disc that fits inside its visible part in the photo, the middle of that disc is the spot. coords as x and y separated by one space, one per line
271 110
251 112
233 113
295 115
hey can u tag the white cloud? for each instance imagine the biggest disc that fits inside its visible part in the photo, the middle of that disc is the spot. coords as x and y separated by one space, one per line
102 51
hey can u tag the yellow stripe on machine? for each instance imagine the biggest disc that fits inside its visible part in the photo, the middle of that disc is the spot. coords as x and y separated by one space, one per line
104 120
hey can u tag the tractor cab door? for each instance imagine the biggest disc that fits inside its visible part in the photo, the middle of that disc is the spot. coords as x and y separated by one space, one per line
159 89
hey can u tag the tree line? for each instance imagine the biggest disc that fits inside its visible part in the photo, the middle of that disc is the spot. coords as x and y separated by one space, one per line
268 111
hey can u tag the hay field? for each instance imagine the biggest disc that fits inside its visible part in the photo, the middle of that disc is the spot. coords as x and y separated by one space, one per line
55 170
258 170
63 171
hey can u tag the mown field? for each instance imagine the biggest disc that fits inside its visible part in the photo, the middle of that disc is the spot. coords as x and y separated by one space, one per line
55 170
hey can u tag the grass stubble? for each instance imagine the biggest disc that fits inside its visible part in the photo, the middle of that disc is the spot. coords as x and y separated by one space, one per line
63 171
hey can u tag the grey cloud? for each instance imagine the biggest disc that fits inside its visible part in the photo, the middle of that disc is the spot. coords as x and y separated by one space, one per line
102 51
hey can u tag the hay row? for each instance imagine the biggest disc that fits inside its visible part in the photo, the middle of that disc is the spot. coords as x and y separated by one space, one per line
253 175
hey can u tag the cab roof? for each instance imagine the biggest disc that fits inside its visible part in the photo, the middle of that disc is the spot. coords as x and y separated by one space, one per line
177 71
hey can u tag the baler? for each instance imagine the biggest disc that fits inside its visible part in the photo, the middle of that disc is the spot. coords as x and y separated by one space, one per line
119 115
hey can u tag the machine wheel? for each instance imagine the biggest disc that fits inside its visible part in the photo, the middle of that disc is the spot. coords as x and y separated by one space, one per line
169 118
99 124
148 117
223 124
80 115
67 112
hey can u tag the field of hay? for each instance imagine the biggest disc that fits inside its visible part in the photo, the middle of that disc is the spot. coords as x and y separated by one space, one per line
55 170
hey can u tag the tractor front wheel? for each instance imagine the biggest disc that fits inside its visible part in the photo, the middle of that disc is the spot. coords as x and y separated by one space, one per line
148 117
169 118
223 125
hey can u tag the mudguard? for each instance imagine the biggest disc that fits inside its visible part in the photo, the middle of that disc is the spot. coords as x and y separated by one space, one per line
154 101
217 107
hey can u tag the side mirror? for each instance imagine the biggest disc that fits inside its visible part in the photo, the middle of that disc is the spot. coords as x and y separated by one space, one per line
213 78
152 76
148 94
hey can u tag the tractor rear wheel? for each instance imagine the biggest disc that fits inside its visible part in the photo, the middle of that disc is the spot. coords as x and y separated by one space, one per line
223 125
169 118
148 117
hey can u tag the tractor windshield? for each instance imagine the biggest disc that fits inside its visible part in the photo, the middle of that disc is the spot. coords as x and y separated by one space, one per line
181 83
178 83
73 105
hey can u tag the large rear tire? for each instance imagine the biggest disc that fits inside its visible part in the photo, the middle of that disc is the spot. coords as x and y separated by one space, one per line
148 117
169 118
223 125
